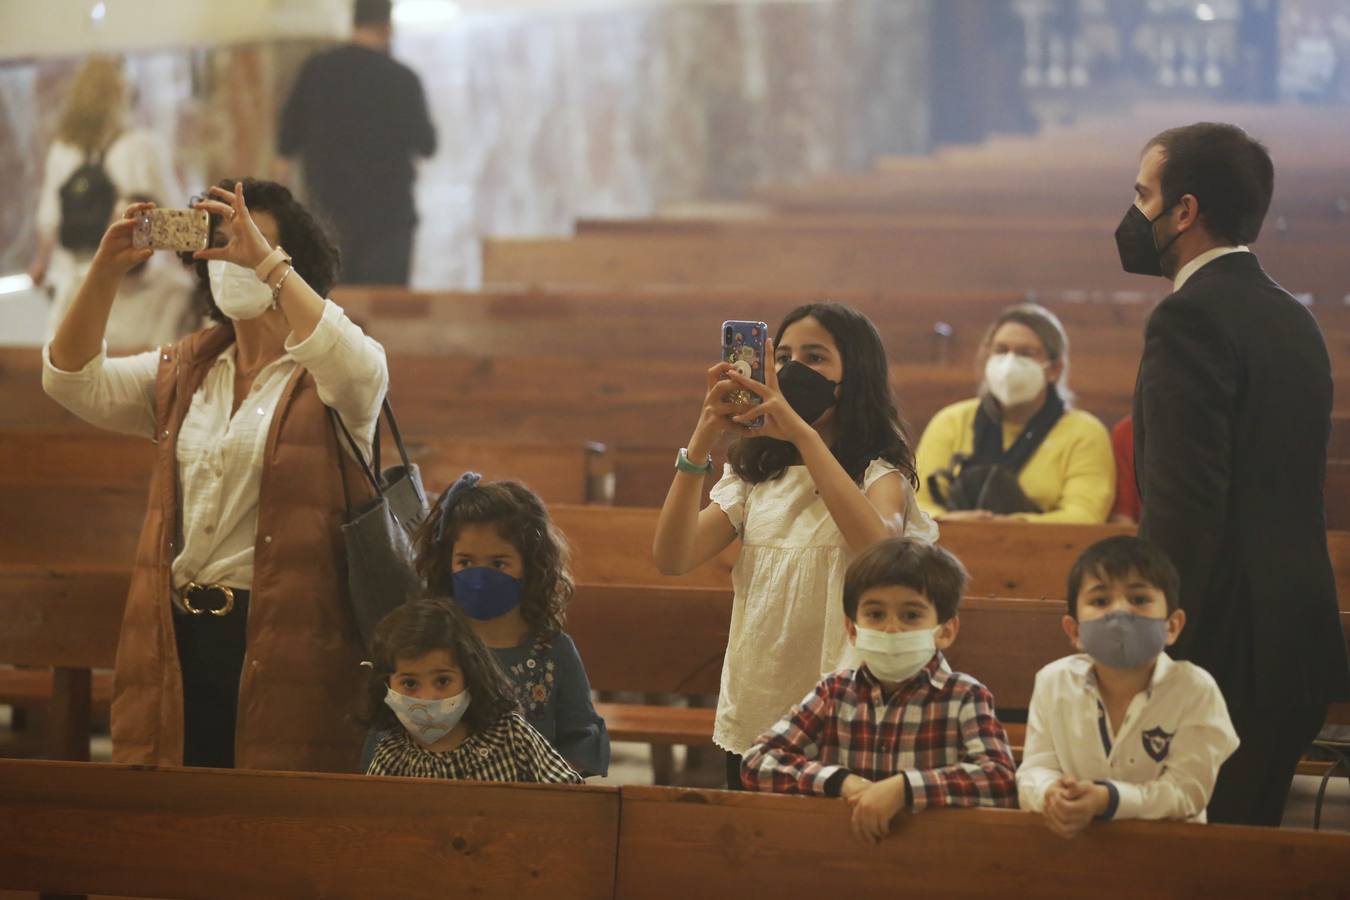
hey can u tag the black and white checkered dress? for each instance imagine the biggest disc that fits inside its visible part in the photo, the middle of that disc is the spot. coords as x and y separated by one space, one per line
511 750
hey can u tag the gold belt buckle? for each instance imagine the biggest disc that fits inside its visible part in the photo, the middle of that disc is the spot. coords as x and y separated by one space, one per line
223 611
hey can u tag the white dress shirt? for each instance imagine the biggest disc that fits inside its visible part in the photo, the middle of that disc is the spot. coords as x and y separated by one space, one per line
1162 764
1202 260
220 454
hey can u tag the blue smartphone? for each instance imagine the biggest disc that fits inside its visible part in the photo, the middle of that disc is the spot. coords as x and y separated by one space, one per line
743 347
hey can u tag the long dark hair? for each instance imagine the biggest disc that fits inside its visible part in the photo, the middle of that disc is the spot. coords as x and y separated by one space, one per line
424 626
867 424
521 518
313 253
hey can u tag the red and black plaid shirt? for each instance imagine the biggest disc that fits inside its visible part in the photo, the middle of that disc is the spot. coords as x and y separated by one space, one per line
938 728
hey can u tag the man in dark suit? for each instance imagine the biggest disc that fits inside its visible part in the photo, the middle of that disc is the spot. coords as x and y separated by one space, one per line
1232 412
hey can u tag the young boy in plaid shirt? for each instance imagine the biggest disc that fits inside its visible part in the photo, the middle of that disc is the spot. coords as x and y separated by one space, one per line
902 731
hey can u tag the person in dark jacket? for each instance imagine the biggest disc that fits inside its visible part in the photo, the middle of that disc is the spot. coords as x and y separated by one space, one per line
1232 412
357 118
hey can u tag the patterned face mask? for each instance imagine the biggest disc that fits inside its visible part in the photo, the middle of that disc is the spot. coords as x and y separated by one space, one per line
428 720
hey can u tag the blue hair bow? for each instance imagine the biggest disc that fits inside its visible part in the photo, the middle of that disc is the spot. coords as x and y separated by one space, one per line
463 484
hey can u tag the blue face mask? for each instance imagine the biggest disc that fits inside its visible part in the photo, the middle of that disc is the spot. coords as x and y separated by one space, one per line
1123 640
485 593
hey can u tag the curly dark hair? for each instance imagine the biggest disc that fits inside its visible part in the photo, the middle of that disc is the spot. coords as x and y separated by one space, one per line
867 424
313 253
521 518
424 626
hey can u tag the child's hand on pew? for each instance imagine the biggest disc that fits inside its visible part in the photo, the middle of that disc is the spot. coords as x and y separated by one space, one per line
875 806
853 786
1070 805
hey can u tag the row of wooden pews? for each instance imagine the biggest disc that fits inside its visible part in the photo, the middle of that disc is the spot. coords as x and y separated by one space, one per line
72 828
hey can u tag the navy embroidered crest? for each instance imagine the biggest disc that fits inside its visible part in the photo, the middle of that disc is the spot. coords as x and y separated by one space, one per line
1156 743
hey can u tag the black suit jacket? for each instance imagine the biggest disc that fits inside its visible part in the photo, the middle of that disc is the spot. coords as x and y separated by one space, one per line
1232 413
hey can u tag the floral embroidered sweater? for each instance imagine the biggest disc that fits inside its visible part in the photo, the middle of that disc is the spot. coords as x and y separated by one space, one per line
555 697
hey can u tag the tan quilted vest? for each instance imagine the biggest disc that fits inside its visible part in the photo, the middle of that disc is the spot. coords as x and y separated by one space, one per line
301 677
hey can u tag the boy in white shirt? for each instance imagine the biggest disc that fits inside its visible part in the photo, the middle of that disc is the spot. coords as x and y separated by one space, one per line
1122 731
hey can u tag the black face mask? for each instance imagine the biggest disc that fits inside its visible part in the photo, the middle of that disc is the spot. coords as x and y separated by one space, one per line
809 393
1138 248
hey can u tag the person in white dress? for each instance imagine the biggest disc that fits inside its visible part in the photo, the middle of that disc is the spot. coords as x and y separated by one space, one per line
93 124
829 473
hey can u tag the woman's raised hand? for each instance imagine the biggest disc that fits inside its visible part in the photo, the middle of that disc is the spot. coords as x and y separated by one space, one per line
116 253
247 246
780 419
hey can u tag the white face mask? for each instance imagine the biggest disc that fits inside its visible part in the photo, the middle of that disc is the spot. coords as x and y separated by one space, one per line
428 720
896 656
1013 379
237 291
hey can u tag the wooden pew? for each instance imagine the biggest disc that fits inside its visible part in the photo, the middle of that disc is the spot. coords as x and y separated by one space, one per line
919 254
87 457
675 843
71 828
917 327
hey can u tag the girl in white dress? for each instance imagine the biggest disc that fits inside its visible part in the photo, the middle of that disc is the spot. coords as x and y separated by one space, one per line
829 473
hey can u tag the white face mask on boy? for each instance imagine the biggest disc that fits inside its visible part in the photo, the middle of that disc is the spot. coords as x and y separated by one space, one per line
896 656
237 291
1013 379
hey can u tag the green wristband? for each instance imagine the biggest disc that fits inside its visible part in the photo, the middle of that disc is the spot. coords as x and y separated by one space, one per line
683 463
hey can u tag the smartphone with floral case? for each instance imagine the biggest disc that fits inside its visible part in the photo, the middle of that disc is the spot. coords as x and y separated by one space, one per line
743 347
172 229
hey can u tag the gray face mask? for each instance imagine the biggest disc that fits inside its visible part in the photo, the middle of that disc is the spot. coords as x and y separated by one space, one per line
1123 640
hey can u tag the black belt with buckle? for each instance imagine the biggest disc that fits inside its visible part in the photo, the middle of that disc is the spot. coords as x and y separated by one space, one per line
216 599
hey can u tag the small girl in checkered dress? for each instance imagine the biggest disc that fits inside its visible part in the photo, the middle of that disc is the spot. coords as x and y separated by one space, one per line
446 708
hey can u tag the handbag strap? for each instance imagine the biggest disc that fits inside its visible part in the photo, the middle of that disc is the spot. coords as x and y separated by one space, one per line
372 472
388 413
356 452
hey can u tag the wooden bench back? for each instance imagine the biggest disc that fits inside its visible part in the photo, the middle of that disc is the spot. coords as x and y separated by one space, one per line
86 457
131 831
79 828
922 256
675 843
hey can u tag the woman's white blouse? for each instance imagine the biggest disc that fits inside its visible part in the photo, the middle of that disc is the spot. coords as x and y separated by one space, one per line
220 454
787 617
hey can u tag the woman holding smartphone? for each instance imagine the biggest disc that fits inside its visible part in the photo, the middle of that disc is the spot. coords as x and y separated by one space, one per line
827 474
238 647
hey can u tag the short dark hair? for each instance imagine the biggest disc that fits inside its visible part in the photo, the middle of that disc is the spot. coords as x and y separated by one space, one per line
1227 171
521 518
371 12
419 627
867 424
313 253
926 568
1117 557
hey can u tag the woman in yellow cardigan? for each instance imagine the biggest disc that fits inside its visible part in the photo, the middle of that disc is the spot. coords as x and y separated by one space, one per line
1021 422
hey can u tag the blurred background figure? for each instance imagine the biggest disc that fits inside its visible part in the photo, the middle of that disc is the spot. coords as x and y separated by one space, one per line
95 158
356 119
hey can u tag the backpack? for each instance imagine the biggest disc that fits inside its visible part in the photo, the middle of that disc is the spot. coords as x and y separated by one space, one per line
87 201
